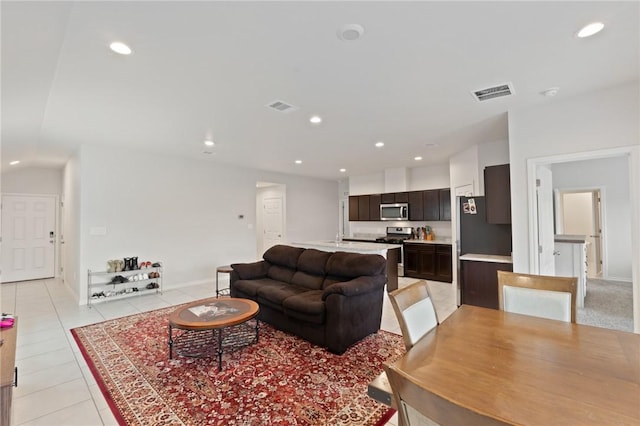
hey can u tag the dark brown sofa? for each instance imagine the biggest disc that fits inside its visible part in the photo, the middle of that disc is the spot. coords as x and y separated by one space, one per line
330 299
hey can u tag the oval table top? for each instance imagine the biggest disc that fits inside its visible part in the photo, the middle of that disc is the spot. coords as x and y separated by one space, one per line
213 313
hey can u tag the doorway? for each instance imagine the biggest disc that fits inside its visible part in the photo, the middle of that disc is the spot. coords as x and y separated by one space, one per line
270 206
29 237
616 170
579 212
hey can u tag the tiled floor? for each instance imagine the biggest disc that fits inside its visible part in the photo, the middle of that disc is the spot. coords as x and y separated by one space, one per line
55 384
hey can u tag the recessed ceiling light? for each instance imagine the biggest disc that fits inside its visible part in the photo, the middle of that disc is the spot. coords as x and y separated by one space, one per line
379 144
550 92
343 170
350 32
590 29
316 119
417 158
298 161
13 163
120 48
209 142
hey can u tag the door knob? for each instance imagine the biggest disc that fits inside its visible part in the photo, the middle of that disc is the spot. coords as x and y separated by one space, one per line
556 253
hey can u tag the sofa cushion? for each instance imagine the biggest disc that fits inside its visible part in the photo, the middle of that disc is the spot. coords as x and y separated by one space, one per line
310 269
286 256
307 306
250 287
280 273
343 266
247 271
278 292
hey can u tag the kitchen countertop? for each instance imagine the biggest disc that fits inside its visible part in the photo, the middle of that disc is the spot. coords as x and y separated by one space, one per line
349 246
436 241
576 239
494 258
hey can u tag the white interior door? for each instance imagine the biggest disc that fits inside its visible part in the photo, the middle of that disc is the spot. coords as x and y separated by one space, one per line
28 240
272 222
544 196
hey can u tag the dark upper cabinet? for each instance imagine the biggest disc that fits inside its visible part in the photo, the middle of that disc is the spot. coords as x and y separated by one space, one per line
401 197
353 208
363 207
415 205
431 205
374 206
388 198
445 204
497 191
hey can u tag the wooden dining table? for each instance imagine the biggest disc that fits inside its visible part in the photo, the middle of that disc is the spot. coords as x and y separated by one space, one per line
493 367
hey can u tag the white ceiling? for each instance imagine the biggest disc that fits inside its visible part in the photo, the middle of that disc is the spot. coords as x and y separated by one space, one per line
204 69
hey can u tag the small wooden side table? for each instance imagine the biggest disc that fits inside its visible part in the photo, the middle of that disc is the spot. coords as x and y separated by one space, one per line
226 269
8 371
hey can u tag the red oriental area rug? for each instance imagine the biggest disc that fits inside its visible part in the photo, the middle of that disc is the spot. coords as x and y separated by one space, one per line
281 380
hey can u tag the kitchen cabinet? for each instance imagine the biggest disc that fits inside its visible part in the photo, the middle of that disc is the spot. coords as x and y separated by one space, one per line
428 261
363 207
444 196
429 205
374 206
444 264
401 197
388 198
497 191
479 282
571 261
353 208
415 205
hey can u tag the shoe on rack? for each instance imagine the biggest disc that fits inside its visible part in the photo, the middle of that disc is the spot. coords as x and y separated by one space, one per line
127 264
112 266
119 265
156 264
134 263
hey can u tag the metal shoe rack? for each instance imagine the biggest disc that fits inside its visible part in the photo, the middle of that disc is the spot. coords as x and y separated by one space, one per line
101 288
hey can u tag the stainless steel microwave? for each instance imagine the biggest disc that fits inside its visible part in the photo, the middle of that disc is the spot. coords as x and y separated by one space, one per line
397 211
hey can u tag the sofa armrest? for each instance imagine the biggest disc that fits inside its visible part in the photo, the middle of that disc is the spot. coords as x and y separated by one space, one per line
250 271
356 286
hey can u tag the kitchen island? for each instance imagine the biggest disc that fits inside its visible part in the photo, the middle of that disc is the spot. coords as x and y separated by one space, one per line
391 252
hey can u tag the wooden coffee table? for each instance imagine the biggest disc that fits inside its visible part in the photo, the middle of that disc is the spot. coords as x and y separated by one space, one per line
212 314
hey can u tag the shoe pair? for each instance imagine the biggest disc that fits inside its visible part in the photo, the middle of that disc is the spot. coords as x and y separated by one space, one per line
154 274
118 279
151 286
145 265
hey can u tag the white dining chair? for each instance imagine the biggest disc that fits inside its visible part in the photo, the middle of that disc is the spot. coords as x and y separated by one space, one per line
538 295
415 312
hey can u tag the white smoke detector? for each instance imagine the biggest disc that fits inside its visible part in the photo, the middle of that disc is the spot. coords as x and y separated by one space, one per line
350 32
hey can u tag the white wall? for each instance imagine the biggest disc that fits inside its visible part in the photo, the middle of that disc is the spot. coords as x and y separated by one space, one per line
185 212
32 180
71 223
601 120
612 175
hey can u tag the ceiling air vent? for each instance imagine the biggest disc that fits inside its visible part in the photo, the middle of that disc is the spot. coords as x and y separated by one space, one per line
493 92
281 106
